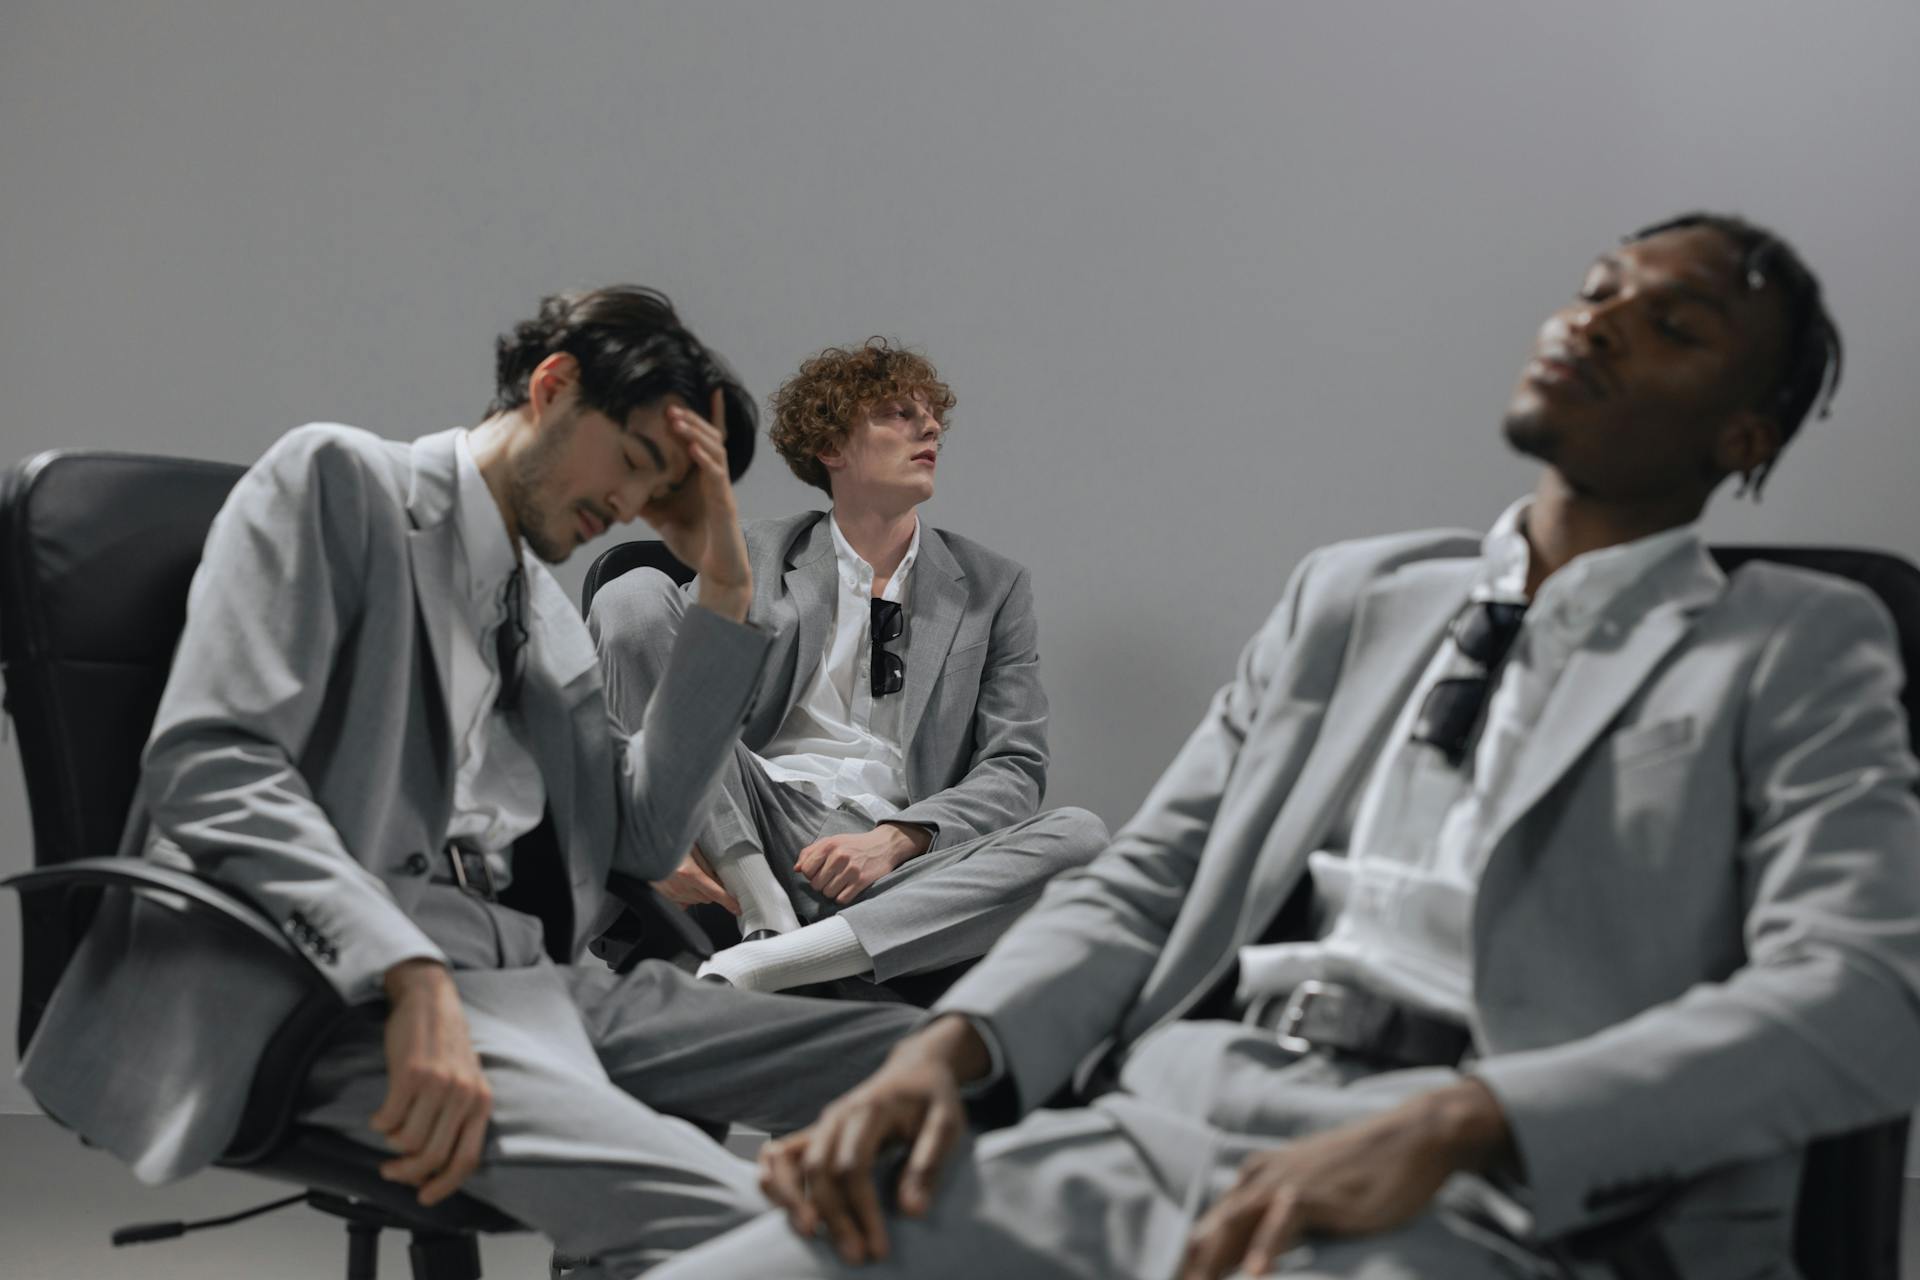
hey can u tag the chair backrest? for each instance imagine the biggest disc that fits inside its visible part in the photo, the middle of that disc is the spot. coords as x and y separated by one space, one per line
1851 1187
644 553
96 552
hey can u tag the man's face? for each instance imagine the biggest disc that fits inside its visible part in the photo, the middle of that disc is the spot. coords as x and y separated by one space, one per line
1636 386
891 453
584 473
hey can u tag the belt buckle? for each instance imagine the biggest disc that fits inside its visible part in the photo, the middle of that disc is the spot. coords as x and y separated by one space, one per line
1294 1012
458 857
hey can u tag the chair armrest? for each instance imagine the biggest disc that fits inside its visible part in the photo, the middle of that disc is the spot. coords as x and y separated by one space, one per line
650 928
139 876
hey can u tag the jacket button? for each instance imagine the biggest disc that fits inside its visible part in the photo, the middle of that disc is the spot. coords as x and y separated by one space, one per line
416 864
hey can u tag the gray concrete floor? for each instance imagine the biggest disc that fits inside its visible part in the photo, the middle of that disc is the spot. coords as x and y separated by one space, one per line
59 1201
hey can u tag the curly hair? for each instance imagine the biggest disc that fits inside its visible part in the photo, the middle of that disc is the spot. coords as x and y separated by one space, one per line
818 406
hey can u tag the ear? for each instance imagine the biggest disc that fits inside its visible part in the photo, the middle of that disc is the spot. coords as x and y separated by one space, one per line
1748 442
553 383
831 457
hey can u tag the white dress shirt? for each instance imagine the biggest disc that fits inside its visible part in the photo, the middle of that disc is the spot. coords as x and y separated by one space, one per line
1401 900
839 741
498 794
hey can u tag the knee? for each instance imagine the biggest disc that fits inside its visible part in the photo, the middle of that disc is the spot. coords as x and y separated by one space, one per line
636 614
1080 831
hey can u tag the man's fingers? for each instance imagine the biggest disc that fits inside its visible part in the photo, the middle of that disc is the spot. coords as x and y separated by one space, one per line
828 1201
927 1157
393 1109
810 858
1279 1231
717 413
781 1183
432 1155
1219 1240
853 1165
466 1157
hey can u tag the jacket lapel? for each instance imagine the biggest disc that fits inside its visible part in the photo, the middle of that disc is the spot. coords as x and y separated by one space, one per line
1396 626
430 544
1637 631
936 601
811 581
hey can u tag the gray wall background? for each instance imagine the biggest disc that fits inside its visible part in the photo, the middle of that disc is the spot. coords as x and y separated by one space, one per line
1214 283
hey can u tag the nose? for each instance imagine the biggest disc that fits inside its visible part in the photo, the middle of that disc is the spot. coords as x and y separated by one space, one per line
623 504
1594 322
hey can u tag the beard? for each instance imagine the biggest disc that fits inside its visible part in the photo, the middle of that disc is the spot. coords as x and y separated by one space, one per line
527 493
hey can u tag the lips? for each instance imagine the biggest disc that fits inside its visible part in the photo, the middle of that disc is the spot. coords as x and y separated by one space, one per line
1560 365
591 526
929 456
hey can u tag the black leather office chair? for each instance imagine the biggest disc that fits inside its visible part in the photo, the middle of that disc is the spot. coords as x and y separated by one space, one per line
96 552
1847 1226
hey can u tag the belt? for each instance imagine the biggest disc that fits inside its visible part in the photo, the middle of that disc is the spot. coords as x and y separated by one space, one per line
469 869
1353 1020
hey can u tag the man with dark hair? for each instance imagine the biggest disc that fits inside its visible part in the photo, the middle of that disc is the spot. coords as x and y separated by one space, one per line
385 729
879 817
1560 876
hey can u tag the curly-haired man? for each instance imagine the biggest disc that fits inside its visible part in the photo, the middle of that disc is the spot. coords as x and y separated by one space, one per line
880 818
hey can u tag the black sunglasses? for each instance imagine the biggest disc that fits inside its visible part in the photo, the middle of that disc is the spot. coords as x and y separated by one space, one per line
510 642
889 672
1483 632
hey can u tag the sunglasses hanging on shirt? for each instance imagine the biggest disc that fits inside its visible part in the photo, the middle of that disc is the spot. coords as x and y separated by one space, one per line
510 642
1483 632
889 673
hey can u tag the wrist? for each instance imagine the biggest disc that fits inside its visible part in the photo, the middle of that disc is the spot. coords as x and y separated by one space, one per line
729 600
414 977
1468 1122
910 840
950 1042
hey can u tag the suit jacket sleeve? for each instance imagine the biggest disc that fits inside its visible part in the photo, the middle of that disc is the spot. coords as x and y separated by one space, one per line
1061 980
1008 769
279 583
1819 1031
687 732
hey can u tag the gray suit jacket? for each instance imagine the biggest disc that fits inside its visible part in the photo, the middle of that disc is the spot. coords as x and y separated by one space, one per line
1696 944
301 757
976 717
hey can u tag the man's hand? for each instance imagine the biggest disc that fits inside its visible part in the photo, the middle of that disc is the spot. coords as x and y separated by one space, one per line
437 1104
823 1175
1356 1180
844 867
699 520
693 882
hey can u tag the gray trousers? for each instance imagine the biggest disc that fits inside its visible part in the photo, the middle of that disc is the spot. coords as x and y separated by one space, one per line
589 1070
943 907
1113 1190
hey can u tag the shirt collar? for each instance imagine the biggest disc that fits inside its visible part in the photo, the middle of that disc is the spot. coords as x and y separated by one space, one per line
489 554
858 574
1586 584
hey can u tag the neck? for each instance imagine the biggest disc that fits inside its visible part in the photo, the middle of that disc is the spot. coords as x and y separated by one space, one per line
492 446
880 537
1563 523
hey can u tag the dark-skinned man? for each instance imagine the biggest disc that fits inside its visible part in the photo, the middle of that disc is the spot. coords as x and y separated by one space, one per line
1557 873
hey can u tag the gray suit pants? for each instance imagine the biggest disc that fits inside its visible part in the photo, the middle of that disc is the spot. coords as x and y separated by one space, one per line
1113 1190
588 1070
945 906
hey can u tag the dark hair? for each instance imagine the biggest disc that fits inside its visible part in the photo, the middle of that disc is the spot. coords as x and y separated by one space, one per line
632 351
1810 374
818 406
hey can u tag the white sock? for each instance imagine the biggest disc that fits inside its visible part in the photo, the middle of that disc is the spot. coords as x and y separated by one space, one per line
816 953
763 903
